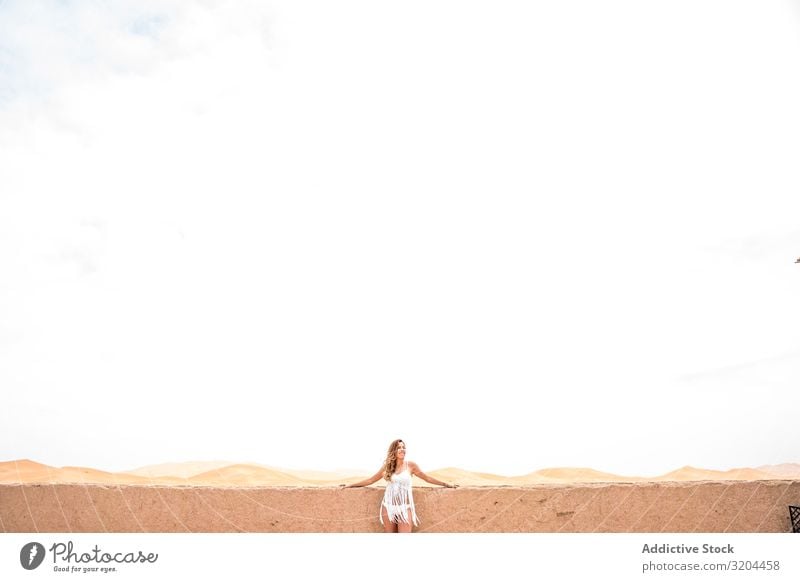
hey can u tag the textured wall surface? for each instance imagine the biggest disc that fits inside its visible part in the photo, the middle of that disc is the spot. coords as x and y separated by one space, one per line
732 506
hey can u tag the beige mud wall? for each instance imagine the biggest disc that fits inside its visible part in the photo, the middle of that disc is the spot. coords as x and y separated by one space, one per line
733 506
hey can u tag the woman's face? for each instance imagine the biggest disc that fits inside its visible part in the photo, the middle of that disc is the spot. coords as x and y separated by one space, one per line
400 451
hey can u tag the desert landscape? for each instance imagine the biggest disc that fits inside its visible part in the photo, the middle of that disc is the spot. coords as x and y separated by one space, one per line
228 497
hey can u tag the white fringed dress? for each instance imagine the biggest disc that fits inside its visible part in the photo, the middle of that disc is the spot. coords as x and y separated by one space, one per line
398 498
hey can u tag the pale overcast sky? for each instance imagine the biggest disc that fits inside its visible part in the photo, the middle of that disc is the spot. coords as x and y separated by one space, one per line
517 234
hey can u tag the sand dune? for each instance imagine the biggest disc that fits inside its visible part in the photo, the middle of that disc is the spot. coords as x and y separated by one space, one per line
791 470
223 474
178 470
575 474
695 474
249 475
26 471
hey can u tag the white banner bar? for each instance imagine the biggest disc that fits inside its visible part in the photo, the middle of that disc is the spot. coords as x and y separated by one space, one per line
619 557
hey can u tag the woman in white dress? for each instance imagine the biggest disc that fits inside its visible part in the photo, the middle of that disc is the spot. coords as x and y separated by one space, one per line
398 514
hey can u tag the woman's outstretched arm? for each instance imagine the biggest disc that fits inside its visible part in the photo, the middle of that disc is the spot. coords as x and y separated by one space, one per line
366 482
415 470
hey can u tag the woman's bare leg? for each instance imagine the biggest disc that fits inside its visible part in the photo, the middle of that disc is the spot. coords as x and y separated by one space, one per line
388 525
406 527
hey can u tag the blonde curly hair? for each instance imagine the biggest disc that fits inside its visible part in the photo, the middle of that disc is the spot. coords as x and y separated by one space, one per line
390 464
